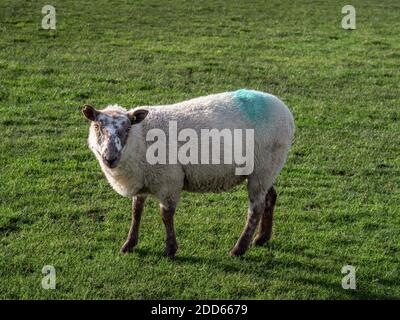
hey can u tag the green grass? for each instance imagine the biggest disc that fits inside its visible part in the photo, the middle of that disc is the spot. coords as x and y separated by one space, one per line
338 200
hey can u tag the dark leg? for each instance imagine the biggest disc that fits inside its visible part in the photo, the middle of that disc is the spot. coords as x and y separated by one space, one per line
265 228
253 217
133 235
171 245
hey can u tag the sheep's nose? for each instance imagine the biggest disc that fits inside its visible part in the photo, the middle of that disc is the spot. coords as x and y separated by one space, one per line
111 162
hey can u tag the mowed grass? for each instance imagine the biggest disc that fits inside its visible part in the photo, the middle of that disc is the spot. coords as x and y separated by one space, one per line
338 195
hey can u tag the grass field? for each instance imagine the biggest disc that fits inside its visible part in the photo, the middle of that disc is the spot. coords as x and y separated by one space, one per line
338 200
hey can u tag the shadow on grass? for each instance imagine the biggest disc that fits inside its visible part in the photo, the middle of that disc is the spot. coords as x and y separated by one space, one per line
268 266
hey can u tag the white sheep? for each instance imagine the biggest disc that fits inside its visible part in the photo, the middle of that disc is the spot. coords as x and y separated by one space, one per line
121 141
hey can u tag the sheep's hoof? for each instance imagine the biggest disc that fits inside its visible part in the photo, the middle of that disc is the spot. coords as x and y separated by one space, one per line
170 250
260 240
237 251
128 246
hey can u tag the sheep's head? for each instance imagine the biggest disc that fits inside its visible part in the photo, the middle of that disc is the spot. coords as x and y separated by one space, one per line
109 131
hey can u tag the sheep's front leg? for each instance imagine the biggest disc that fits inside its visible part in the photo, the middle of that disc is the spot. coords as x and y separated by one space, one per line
133 235
167 213
253 217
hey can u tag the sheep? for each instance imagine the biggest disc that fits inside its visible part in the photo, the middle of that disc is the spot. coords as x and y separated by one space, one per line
121 139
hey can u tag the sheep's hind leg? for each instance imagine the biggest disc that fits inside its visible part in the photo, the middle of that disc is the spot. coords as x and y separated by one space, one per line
253 217
133 235
265 227
171 246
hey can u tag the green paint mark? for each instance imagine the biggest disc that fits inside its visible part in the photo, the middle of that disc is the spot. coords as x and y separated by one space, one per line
253 104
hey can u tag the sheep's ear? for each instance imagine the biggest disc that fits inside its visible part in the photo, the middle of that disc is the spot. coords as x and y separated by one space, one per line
137 115
90 112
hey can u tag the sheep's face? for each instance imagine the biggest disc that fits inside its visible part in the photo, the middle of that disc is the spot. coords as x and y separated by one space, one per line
109 131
